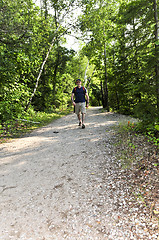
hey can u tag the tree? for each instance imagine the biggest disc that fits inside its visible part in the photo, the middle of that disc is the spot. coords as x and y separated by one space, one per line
17 19
139 52
96 20
156 51
60 5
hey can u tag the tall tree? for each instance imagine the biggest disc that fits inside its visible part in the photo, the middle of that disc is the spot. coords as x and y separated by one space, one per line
65 6
156 51
96 20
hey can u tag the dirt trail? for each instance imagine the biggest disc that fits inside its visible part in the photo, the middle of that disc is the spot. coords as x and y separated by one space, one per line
63 182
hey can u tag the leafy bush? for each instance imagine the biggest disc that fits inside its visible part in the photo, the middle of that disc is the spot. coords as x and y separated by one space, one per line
14 99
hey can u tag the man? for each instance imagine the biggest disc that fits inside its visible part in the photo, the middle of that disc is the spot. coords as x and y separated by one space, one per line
79 93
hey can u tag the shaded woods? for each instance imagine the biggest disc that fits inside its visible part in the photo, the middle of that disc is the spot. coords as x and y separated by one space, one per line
117 61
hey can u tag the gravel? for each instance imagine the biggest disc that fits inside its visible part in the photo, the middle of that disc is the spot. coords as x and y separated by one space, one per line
64 182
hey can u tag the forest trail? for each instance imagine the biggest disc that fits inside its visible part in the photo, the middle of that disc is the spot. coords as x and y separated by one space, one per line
63 182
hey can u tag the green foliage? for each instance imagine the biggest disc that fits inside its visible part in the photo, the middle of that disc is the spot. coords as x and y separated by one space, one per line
25 38
157 127
146 128
135 147
121 49
95 95
27 122
127 29
14 97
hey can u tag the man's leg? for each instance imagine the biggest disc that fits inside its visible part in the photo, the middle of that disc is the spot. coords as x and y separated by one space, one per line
79 118
78 112
83 110
83 117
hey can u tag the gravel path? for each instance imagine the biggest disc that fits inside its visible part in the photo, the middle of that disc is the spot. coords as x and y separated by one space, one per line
63 182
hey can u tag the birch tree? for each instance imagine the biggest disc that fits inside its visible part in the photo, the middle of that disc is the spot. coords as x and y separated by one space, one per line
66 7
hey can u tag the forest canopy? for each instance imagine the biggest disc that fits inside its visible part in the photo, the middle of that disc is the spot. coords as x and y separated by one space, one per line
118 62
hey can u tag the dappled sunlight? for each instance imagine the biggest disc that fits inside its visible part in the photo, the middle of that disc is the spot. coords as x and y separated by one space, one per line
94 140
99 124
66 127
28 143
21 164
15 165
106 123
100 114
5 172
7 160
61 171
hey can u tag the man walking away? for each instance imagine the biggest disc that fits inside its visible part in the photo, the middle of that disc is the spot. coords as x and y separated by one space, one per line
79 93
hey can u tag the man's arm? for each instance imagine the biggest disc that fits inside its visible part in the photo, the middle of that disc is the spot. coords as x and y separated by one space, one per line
87 99
72 98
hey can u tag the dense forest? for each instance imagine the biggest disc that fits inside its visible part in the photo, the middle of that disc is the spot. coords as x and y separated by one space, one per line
118 60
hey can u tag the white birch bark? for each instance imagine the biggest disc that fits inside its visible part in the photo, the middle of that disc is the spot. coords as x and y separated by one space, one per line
47 55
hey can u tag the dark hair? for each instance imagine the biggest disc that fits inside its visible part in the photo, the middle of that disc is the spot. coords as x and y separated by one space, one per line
78 80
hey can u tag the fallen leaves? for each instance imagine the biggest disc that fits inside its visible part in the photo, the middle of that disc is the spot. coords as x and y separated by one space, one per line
141 171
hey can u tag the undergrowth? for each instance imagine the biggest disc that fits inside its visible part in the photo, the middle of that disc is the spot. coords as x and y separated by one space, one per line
138 154
27 122
135 143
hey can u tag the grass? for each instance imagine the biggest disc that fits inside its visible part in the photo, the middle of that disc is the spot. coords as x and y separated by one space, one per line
133 145
28 122
125 145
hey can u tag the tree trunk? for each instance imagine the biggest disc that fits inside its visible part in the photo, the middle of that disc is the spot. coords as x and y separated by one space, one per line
40 72
57 59
116 86
156 52
55 73
106 104
46 9
85 74
117 98
89 80
137 95
101 84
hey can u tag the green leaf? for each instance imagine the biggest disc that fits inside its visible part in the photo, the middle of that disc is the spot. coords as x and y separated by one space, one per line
157 127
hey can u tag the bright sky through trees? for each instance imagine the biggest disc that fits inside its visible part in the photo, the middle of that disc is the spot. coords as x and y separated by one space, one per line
71 41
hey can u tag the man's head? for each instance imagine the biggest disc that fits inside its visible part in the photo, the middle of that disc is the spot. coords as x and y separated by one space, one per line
78 82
